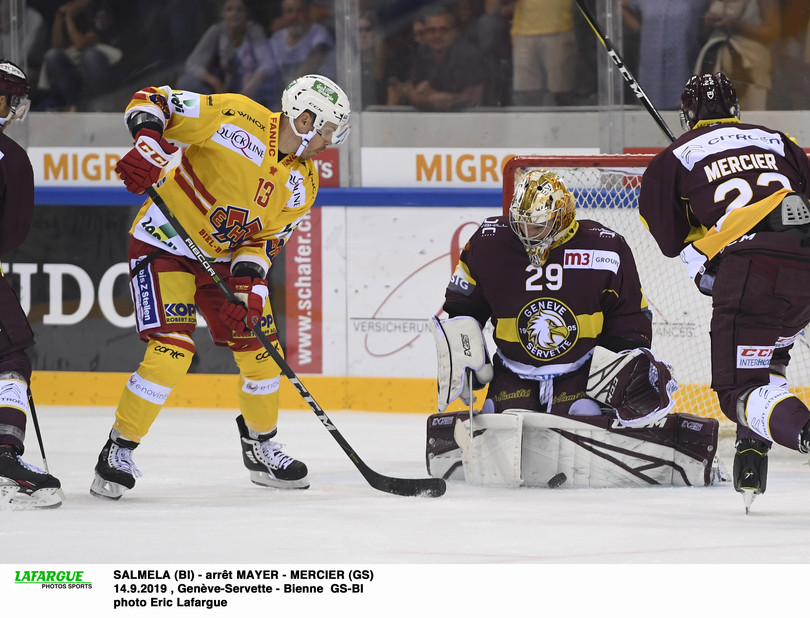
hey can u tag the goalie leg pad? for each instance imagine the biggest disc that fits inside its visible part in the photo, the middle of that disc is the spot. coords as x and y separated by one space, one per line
491 457
459 346
442 453
525 448
596 452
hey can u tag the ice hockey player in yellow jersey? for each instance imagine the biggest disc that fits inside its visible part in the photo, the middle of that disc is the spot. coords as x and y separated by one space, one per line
240 187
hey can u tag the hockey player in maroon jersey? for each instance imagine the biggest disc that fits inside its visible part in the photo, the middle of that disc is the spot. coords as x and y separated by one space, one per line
22 486
731 199
572 331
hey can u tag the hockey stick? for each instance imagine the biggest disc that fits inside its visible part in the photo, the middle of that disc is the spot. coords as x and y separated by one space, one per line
36 429
432 487
628 77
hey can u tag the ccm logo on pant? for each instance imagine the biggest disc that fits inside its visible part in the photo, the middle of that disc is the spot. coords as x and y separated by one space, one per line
753 356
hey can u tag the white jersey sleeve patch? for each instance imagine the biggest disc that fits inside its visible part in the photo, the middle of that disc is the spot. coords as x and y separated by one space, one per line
592 259
185 103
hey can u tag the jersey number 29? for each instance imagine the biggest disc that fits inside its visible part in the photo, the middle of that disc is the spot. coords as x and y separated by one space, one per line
553 277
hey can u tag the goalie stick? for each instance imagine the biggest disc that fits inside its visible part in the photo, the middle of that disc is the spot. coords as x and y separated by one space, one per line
625 72
431 487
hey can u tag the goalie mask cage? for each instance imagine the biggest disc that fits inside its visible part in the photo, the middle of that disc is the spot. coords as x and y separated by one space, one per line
606 188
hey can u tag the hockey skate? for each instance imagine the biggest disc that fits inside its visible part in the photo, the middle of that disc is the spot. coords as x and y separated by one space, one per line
268 465
23 486
750 469
115 470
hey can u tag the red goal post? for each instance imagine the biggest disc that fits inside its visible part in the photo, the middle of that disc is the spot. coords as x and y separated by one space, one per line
605 187
514 169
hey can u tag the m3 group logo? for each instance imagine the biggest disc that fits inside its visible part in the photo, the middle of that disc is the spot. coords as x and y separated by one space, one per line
54 580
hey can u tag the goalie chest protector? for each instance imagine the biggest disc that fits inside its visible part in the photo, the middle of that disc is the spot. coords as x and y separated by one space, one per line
551 314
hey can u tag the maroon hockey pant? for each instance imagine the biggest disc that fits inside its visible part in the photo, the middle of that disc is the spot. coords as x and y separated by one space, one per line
761 301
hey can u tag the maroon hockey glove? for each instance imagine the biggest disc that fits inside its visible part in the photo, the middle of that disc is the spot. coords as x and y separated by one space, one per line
251 293
141 167
635 383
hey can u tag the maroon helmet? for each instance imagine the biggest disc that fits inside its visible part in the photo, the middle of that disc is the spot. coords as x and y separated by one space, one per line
14 85
706 97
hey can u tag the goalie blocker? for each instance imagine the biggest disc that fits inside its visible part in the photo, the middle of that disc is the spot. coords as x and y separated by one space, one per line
530 449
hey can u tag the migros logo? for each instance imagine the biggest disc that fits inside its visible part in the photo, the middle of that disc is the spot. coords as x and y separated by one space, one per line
461 167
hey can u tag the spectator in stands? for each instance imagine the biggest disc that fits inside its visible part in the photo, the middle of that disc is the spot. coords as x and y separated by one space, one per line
372 60
448 74
84 51
171 29
323 12
544 52
490 34
790 72
300 46
669 45
232 56
740 36
34 37
402 57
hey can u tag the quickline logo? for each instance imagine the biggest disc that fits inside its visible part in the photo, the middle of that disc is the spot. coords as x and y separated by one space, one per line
61 580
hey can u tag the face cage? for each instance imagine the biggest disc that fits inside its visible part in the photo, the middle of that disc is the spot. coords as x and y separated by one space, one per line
531 235
18 108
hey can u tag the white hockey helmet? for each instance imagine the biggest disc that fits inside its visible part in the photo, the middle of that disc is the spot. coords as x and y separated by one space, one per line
542 210
324 98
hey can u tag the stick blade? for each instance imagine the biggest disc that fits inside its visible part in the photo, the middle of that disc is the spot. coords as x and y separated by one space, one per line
426 488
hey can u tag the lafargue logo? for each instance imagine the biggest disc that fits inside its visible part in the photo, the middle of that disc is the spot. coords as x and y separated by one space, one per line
54 580
547 328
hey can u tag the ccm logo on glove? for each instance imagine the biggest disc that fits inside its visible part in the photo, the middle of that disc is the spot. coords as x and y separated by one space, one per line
142 165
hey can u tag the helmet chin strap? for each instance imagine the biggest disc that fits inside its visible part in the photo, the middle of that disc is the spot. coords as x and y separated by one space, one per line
305 137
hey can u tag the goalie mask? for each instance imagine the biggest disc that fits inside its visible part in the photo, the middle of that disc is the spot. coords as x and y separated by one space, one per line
706 97
14 85
542 210
324 98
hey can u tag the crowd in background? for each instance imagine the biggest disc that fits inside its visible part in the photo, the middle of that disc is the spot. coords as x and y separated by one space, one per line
435 55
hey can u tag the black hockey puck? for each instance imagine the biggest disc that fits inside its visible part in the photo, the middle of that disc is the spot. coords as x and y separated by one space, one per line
557 480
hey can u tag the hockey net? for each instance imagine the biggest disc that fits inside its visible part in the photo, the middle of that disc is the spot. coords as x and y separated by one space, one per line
606 190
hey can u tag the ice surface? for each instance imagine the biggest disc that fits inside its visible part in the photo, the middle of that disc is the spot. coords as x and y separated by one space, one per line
196 505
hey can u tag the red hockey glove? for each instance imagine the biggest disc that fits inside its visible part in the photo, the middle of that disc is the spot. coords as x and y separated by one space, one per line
251 293
141 167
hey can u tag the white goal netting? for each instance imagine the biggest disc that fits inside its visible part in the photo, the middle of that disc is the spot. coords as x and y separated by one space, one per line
606 190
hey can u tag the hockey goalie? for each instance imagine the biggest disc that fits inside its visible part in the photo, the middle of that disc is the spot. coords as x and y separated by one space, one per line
574 395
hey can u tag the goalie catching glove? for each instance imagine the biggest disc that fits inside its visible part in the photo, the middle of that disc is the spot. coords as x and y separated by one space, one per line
243 316
462 356
141 167
635 383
